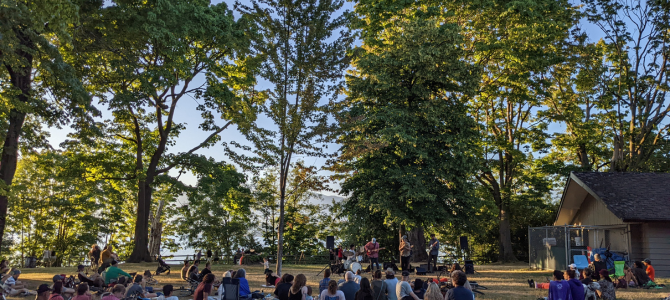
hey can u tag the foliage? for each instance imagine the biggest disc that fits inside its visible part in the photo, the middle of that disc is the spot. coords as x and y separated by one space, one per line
304 59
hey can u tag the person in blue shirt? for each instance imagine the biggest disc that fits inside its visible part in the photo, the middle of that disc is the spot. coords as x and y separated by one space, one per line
459 292
244 284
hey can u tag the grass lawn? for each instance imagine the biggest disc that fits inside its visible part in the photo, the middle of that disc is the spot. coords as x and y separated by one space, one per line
502 281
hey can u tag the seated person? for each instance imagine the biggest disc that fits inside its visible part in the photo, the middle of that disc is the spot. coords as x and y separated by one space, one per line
118 292
168 290
138 288
64 291
651 272
282 287
206 270
418 289
640 274
458 279
56 291
184 270
597 265
113 272
82 292
576 286
4 267
591 287
149 278
245 292
95 281
193 272
13 280
43 292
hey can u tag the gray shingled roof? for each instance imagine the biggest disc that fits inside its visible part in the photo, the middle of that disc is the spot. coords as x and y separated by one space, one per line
631 196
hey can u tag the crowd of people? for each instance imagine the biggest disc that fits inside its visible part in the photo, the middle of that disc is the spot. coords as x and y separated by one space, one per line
595 282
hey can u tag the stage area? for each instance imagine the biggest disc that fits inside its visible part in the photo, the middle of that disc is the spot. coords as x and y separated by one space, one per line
502 281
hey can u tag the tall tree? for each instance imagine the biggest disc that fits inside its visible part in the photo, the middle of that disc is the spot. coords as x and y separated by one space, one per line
636 50
305 59
35 79
408 142
146 58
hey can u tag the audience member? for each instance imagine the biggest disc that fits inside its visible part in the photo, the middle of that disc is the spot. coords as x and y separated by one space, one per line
404 290
193 272
206 270
168 289
323 284
184 270
282 288
4 267
309 293
433 292
379 286
82 292
271 279
14 281
357 277
298 290
607 291
459 292
43 292
56 292
597 264
245 292
640 274
65 291
651 272
576 286
332 292
94 281
391 283
349 287
113 272
418 289
137 289
204 288
365 291
118 292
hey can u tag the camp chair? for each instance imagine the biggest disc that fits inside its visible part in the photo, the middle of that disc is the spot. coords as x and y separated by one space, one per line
618 268
581 262
231 288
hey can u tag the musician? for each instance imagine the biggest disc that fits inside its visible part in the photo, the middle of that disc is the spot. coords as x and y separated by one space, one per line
434 251
372 248
340 254
405 252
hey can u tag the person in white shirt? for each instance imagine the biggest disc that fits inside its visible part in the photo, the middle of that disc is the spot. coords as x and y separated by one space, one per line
357 278
332 293
167 293
404 289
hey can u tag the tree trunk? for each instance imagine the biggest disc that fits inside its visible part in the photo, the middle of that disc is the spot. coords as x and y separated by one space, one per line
506 254
21 79
280 234
583 156
618 164
156 231
418 240
141 251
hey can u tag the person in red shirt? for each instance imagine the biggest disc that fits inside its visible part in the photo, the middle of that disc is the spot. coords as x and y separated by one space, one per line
650 270
372 248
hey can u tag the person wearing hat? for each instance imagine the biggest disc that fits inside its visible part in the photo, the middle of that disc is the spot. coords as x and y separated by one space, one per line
372 249
404 290
651 272
43 292
574 268
13 280
607 290
405 252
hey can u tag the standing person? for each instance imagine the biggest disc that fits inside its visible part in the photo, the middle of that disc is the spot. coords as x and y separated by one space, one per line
391 283
404 290
184 270
405 252
379 287
204 288
198 255
266 265
298 290
651 272
434 251
94 256
323 284
332 293
372 248
340 253
106 257
365 292
459 292
349 287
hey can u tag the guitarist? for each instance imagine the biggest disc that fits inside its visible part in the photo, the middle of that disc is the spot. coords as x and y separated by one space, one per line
372 249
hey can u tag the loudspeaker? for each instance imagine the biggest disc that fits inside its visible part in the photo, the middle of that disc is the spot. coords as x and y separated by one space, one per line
330 242
390 265
420 271
469 267
442 268
464 243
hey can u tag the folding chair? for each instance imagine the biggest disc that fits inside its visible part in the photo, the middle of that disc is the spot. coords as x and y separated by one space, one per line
231 288
618 268
581 262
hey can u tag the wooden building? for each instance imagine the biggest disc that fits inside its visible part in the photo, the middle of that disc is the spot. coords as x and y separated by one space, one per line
635 206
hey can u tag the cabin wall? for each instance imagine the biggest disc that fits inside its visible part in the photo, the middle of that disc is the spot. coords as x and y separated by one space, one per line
656 246
594 212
